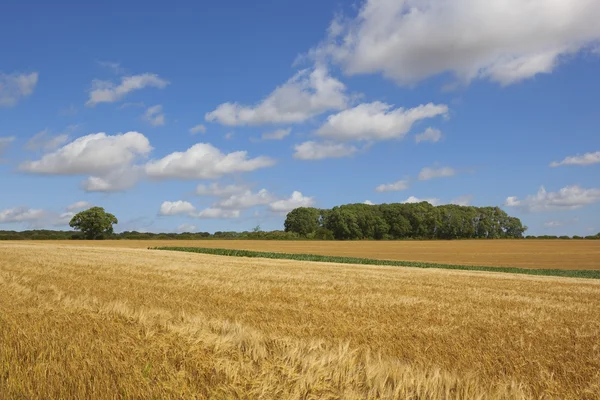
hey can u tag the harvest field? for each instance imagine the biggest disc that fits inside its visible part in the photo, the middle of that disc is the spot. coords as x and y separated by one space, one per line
551 254
106 322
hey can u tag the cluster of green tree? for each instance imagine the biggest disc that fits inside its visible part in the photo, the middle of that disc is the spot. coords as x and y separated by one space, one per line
352 221
403 221
564 237
134 235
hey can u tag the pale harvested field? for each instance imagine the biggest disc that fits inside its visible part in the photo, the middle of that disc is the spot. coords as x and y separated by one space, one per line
550 254
103 322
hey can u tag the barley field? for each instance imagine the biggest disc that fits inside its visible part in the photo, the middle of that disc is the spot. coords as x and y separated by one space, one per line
115 321
551 254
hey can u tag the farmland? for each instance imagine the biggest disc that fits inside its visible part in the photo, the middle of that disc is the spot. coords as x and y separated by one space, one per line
556 254
106 319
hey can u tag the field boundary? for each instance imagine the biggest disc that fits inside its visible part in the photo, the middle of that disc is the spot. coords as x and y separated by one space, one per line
587 274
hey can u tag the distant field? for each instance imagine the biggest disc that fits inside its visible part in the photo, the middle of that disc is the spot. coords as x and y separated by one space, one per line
106 322
550 254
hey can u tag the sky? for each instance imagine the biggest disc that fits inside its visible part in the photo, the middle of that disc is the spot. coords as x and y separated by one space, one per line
217 116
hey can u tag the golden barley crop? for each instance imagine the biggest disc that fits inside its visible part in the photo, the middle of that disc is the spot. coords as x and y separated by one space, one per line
551 254
108 322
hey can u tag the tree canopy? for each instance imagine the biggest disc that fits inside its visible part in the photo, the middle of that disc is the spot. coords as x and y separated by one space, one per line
404 221
94 223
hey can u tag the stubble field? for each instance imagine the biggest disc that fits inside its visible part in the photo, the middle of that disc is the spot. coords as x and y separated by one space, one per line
78 321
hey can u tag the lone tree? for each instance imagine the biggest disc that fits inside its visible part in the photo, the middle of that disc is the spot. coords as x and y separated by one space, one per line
94 223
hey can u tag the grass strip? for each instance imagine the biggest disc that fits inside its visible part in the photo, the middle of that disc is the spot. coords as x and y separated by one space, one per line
588 274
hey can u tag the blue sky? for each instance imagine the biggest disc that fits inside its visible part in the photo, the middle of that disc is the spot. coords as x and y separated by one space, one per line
223 116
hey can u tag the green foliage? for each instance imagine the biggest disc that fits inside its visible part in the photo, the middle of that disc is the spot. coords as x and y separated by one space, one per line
590 274
94 223
303 221
405 221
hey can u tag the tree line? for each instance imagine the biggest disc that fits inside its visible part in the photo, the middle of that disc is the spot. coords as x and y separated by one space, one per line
347 222
403 221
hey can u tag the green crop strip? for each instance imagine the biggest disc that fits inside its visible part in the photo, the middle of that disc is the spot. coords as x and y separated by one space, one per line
593 274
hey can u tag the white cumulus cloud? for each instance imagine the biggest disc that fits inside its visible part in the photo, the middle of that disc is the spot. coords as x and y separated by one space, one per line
429 135
312 150
567 198
585 159
377 121
204 161
305 95
462 200
217 213
170 208
393 187
14 87
107 159
108 92
413 199
20 214
428 173
155 115
246 199
297 199
505 41
114 181
94 154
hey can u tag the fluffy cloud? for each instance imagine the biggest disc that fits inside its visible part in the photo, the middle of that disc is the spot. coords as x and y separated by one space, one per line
305 95
216 190
4 143
217 213
94 154
428 173
392 187
376 121
204 161
108 159
115 181
246 199
80 205
276 135
429 135
171 208
413 199
14 87
108 92
197 129
585 159
176 208
20 214
368 202
505 41
567 198
155 116
319 150
462 200
296 200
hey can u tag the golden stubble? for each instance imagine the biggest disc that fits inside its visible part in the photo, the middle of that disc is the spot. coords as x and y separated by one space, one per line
81 322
